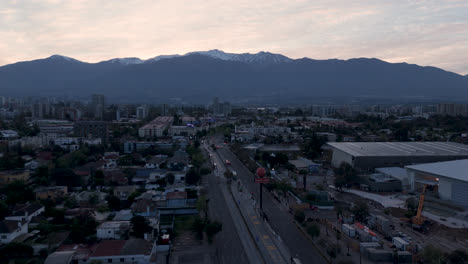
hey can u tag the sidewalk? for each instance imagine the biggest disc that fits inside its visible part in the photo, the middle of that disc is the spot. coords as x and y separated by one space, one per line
268 242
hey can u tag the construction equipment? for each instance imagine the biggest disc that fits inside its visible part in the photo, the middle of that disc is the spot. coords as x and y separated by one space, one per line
418 220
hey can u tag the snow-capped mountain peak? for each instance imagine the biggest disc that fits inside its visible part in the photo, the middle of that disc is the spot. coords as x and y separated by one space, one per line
260 57
160 57
62 58
127 61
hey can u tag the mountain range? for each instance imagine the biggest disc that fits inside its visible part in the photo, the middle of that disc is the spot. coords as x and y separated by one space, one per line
196 77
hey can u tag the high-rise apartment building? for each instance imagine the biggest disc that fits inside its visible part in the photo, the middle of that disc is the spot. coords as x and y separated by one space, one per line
98 106
142 112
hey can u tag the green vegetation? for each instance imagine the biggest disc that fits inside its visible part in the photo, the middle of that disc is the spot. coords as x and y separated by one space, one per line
192 177
140 226
18 192
345 175
313 230
299 216
360 210
210 228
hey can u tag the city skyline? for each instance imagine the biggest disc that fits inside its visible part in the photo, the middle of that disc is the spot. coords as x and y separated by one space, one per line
421 32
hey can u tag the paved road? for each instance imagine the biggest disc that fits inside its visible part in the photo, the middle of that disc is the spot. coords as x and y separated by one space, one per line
279 219
230 249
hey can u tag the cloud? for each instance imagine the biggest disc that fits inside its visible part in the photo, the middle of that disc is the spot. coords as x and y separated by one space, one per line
426 32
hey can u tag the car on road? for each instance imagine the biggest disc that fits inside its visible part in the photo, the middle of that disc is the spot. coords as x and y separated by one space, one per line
228 162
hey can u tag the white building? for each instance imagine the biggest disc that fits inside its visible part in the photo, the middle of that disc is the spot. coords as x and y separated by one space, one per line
11 229
142 112
450 177
26 212
113 230
136 251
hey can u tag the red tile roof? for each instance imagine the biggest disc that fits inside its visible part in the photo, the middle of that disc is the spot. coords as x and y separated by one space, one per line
109 248
176 195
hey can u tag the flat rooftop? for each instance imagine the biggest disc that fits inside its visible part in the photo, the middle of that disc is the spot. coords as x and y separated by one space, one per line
456 169
386 149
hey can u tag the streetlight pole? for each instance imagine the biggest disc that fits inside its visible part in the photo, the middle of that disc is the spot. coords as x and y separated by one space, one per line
261 196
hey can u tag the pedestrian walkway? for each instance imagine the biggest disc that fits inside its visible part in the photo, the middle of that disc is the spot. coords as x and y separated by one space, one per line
266 240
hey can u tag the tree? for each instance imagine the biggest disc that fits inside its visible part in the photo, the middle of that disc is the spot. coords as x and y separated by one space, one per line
81 228
412 204
132 196
70 202
345 175
197 160
202 206
98 178
15 250
313 230
192 177
4 211
332 251
205 171
67 177
458 256
211 229
18 192
299 215
140 226
360 210
93 199
432 255
113 202
198 226
170 178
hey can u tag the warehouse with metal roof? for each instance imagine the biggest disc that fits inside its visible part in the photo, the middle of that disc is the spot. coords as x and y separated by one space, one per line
450 177
367 156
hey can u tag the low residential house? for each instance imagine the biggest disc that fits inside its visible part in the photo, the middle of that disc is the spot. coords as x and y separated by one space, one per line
11 229
8 134
123 215
142 176
68 143
305 164
53 192
113 230
25 212
109 160
144 207
123 192
176 187
81 253
62 257
179 176
137 251
148 203
86 170
179 161
45 155
87 199
115 176
80 212
32 165
7 177
176 199
155 161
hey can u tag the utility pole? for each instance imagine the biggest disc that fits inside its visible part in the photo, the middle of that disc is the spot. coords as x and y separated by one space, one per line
261 196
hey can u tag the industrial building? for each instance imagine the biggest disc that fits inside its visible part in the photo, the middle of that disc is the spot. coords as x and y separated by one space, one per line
450 179
366 156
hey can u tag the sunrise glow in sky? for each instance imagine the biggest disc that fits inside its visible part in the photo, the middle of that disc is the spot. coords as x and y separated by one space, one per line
425 32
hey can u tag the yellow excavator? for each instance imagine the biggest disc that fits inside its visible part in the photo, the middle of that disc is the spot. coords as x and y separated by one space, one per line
418 220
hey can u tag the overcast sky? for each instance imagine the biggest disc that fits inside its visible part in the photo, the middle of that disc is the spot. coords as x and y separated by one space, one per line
425 32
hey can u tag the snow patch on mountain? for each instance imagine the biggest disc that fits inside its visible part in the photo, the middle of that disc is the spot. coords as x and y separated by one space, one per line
127 61
160 57
62 58
261 57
